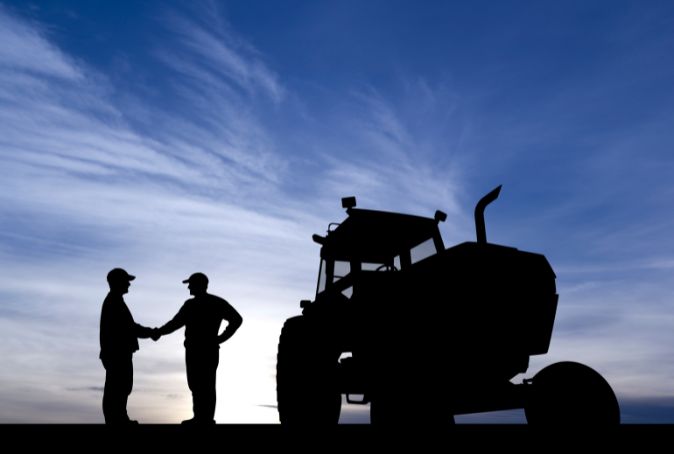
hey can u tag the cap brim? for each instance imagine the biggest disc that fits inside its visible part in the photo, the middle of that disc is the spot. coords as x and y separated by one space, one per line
186 281
129 277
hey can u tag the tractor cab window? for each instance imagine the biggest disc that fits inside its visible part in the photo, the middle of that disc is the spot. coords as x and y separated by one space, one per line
368 266
331 272
423 250
341 270
322 277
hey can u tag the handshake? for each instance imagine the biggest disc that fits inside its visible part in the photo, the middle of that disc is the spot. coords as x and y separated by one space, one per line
155 334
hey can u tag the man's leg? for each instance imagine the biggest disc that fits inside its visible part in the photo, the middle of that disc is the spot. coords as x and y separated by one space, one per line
201 368
118 385
108 396
209 384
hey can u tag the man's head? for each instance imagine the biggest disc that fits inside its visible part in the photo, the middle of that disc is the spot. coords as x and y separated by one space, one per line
197 283
119 280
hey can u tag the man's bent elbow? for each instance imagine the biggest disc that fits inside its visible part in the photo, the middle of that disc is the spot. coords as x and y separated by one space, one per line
237 322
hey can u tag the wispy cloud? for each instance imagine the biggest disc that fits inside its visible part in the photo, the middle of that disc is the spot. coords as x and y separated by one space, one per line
26 49
392 158
67 149
216 55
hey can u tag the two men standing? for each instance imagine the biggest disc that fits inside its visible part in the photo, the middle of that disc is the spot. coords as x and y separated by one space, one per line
201 316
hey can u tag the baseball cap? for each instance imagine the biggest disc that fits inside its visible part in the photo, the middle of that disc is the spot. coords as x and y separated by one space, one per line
196 277
119 275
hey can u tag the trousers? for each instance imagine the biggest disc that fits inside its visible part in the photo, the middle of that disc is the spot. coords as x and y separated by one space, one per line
118 386
201 365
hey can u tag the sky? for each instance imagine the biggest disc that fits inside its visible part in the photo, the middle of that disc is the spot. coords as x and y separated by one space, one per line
169 137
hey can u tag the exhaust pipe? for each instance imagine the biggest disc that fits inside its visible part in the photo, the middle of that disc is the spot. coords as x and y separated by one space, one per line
479 214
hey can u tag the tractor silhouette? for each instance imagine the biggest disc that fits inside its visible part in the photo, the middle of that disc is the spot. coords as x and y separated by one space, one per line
422 332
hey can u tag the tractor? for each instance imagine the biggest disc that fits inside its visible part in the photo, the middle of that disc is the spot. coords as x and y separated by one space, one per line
422 332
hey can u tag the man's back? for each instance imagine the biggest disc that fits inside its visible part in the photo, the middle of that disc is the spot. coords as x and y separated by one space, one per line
202 317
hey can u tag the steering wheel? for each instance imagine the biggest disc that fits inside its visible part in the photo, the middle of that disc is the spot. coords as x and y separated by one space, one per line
386 267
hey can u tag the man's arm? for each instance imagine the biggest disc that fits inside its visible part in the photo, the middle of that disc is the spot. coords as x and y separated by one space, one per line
142 332
175 323
234 321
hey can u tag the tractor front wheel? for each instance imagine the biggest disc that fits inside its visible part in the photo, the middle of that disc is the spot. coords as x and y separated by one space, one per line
306 373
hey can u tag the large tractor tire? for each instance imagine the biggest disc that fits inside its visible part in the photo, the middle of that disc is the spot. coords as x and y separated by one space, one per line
306 376
571 394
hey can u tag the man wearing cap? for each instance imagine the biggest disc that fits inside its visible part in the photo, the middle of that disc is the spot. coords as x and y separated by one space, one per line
119 340
202 316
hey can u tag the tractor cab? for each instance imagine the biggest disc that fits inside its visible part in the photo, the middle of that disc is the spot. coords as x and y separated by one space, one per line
370 240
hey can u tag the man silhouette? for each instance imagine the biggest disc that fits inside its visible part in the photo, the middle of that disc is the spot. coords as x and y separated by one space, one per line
119 340
201 316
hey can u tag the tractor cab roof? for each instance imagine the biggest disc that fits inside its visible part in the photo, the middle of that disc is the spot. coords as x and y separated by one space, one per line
376 236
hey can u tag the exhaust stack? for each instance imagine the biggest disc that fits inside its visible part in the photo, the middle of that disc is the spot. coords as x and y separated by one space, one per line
479 214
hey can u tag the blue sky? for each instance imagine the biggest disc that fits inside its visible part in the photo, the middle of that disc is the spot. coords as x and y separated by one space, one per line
171 137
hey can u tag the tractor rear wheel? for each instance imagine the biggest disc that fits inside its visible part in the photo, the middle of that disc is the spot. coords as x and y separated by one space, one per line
571 394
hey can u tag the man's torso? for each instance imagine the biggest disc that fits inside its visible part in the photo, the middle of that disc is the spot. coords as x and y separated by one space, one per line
117 335
203 317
